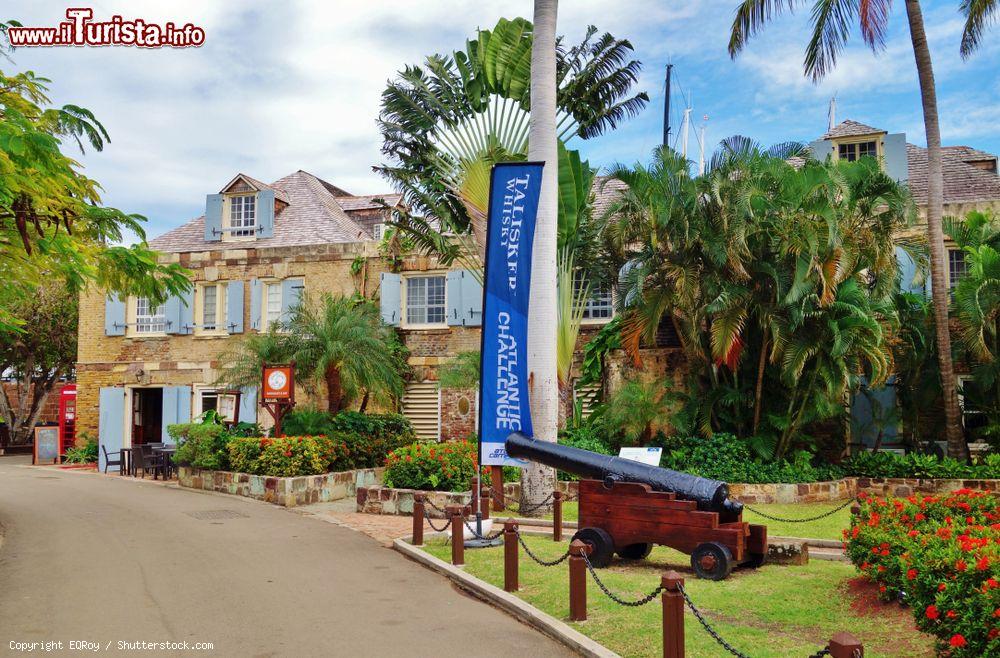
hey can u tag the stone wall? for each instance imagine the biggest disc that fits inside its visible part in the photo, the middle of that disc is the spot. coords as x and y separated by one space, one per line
839 490
384 500
288 491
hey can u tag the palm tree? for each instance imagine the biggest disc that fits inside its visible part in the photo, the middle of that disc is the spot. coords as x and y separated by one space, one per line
832 21
338 342
537 481
978 14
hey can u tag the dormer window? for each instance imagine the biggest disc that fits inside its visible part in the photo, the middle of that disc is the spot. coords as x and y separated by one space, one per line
857 150
243 215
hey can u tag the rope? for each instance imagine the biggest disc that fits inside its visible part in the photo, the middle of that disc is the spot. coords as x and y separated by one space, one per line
805 520
537 559
611 595
711 631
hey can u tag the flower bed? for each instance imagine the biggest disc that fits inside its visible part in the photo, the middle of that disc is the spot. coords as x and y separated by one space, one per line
286 491
941 555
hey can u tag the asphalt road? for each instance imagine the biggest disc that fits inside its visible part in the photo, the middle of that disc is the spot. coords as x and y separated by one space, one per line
100 560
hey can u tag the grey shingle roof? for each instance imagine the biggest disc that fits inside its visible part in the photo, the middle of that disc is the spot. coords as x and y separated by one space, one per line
606 190
963 183
313 216
968 154
851 128
368 201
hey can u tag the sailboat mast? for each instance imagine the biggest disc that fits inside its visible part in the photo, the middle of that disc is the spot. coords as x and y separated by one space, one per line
666 109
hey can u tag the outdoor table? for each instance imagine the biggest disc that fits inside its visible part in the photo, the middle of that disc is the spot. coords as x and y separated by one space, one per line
165 453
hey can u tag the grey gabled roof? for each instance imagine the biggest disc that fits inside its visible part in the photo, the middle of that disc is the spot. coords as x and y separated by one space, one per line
851 128
963 183
313 216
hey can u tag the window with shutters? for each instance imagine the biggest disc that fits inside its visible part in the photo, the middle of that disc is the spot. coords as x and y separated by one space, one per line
856 150
147 318
422 406
271 304
239 217
424 301
210 309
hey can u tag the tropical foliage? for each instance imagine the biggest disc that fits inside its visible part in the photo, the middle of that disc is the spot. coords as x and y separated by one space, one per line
779 280
53 226
338 342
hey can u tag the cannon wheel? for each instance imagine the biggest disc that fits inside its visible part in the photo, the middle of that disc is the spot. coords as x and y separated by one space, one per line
635 551
600 541
712 561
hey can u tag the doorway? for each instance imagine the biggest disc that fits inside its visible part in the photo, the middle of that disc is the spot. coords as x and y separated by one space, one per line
147 415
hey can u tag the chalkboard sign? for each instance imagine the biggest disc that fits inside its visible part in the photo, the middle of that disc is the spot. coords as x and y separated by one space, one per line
46 445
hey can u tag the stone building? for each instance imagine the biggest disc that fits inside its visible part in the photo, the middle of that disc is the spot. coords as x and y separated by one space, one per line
257 249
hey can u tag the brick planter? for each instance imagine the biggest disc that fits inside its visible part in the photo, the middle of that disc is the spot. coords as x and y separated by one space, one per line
289 491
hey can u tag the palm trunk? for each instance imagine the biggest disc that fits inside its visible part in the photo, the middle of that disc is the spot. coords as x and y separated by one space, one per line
935 234
759 390
537 481
566 407
334 390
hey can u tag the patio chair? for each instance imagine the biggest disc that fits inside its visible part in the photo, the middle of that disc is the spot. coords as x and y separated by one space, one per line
144 458
112 462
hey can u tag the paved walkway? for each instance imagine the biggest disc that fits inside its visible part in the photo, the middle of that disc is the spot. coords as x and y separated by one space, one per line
101 559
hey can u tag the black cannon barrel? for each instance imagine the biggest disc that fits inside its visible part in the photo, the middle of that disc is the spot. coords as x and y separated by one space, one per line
710 495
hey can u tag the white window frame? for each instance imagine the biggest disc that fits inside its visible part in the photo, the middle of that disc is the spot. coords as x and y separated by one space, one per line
952 281
405 301
378 230
201 327
146 324
271 290
200 391
236 228
589 306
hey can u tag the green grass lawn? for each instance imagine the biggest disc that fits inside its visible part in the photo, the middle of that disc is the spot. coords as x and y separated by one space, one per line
826 528
772 612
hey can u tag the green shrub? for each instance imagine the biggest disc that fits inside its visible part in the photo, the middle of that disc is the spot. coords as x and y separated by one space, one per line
201 445
282 457
940 555
368 438
432 466
727 458
393 427
335 452
84 454
307 421
585 437
919 465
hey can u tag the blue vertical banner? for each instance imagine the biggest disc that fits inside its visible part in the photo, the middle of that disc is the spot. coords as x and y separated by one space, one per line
503 377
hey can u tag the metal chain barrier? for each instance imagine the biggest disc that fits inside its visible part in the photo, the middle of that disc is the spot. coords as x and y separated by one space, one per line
825 651
431 503
479 536
431 523
611 595
537 559
711 631
530 508
805 520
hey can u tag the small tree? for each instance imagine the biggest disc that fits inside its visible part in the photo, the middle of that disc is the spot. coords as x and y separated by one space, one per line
38 356
338 342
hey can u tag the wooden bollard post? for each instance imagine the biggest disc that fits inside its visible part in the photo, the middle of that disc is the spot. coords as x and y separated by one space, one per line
457 515
845 645
578 580
485 501
510 566
496 477
673 615
557 501
418 519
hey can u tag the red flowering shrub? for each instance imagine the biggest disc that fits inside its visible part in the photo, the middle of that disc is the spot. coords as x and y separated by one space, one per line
284 457
942 555
431 466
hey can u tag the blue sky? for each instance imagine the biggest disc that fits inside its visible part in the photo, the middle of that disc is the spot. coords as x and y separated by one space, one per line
281 86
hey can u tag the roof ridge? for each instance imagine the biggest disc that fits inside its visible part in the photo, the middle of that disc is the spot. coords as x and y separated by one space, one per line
324 197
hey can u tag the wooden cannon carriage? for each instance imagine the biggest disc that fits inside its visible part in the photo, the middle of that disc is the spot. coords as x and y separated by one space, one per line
632 506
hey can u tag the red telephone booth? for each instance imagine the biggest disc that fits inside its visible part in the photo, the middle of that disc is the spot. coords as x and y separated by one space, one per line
67 418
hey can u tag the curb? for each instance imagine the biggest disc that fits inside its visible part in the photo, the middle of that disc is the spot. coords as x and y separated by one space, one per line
509 603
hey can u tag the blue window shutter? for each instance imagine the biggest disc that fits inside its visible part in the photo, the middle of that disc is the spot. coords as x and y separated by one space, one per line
176 409
291 295
179 313
265 214
256 294
213 217
114 316
234 307
907 272
453 298
897 165
389 299
821 149
472 300
111 422
248 404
